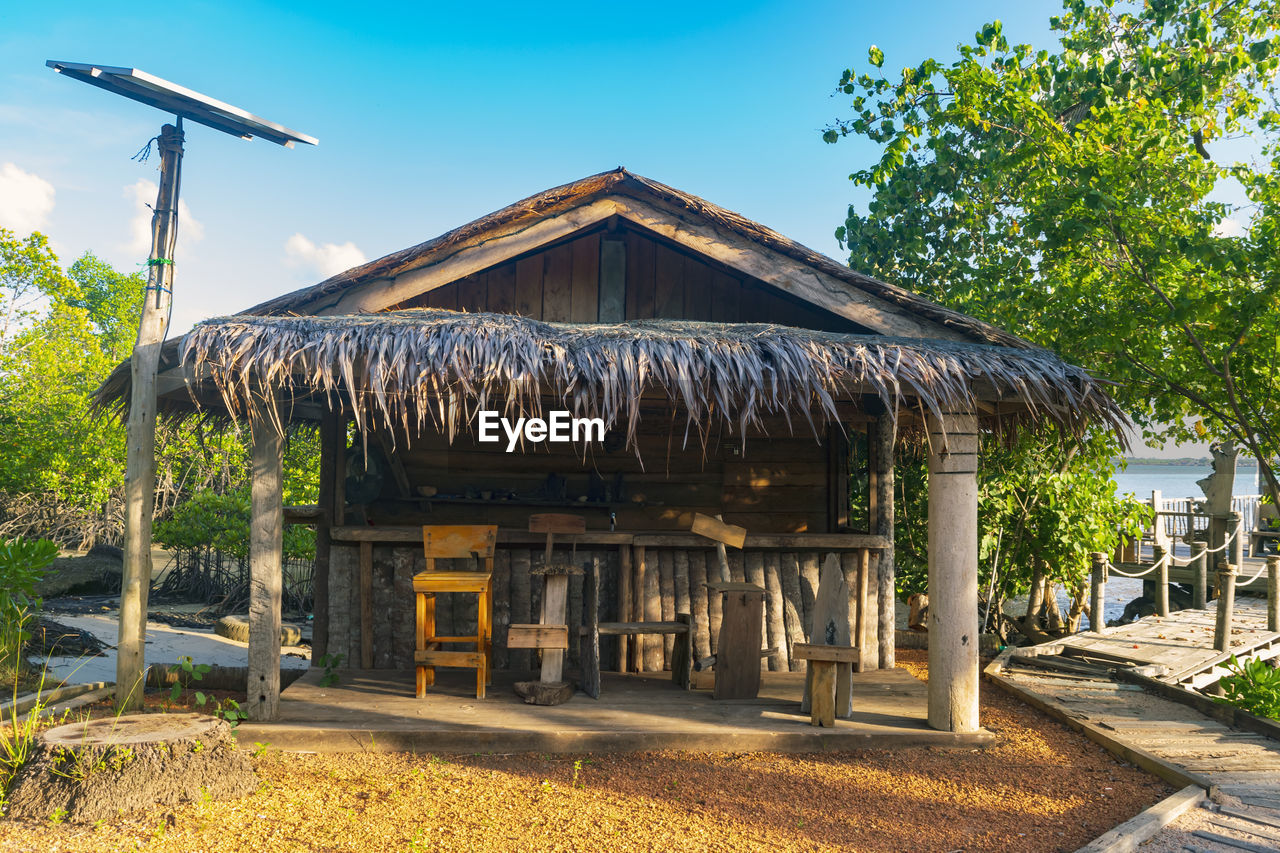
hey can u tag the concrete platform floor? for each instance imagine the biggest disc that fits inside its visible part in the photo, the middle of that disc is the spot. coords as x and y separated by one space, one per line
376 710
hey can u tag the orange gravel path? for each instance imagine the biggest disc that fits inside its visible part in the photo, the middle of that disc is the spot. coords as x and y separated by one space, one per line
1041 787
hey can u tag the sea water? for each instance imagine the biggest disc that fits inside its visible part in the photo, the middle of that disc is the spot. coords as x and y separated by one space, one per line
1177 481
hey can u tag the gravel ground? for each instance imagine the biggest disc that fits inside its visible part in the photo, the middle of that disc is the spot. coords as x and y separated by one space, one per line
1041 787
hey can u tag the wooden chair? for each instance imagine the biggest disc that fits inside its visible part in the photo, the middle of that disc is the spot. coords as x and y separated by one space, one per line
441 542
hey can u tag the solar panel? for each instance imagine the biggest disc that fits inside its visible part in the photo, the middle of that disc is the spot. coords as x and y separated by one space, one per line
170 97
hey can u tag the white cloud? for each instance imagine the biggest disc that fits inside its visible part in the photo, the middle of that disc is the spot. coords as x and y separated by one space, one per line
26 200
143 195
326 259
1229 228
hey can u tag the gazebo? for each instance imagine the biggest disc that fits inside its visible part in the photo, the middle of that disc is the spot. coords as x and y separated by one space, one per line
732 372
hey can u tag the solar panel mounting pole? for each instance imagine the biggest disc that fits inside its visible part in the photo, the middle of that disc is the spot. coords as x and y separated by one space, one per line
140 465
140 470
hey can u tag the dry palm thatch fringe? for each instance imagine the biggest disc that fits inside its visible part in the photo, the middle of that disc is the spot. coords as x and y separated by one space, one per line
439 368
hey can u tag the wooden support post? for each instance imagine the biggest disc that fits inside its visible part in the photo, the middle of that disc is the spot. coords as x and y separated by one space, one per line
1273 594
1226 603
1235 527
823 702
953 572
265 542
330 424
140 464
1200 577
1098 593
1157 523
1160 555
883 435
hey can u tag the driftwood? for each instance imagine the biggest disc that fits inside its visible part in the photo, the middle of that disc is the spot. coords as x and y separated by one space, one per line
83 772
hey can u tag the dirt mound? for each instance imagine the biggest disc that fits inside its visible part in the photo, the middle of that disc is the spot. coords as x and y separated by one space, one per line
84 772
95 573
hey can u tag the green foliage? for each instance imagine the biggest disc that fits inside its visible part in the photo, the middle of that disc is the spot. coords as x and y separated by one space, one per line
22 565
331 663
1041 501
221 522
188 672
1253 686
1071 195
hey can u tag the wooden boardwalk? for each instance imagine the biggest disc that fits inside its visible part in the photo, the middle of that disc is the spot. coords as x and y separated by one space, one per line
1087 681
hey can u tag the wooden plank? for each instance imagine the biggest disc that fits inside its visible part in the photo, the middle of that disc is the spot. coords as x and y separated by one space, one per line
366 605
776 632
557 522
585 279
652 611
680 561
1129 835
502 289
823 694
531 298
830 623
537 636
725 295
810 577
675 539
718 531
459 540
640 276
501 608
698 601
486 250
556 290
737 661
441 657
620 629
834 654
590 632
667 589
697 289
266 532
613 280
404 562
521 609
383 603
625 586
789 573
753 569
555 591
668 293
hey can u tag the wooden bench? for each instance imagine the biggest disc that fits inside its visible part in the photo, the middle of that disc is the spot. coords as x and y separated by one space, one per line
682 659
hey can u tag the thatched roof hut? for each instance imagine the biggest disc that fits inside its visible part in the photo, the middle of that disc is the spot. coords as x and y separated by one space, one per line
735 372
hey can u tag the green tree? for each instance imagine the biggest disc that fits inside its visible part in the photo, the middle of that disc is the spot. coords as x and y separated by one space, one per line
1075 196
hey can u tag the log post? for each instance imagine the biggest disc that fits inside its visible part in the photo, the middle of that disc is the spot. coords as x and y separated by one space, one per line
1098 593
953 572
1160 557
883 434
140 464
1200 582
1226 603
330 435
265 542
1235 528
1273 594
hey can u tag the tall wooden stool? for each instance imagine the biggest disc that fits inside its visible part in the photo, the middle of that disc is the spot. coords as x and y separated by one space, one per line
441 542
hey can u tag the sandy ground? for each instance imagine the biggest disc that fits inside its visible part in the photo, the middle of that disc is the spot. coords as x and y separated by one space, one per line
1041 787
164 645
1178 836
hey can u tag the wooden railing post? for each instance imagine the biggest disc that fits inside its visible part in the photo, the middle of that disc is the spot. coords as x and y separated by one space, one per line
1098 593
1235 526
1160 555
1273 595
1226 602
1201 577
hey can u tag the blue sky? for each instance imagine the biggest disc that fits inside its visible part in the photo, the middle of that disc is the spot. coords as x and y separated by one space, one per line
429 116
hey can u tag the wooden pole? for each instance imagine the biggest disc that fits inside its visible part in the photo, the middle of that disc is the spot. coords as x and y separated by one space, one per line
1226 603
265 541
330 425
953 572
1273 594
883 435
140 465
1200 592
1098 593
1235 527
1162 585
